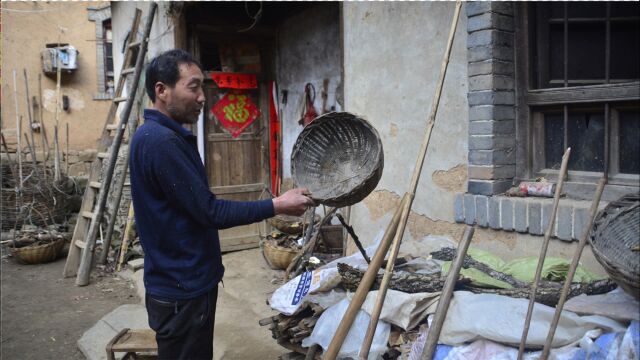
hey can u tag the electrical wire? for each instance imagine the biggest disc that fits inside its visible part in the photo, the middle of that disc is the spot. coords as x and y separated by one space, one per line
256 18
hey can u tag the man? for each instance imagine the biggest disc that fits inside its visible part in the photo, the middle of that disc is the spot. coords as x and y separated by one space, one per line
177 216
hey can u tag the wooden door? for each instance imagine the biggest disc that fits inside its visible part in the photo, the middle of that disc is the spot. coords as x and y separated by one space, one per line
237 168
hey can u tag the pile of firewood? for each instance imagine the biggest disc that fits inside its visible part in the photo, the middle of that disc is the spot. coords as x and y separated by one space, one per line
289 331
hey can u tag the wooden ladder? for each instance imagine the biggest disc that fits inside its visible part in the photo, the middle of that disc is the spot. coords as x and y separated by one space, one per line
82 248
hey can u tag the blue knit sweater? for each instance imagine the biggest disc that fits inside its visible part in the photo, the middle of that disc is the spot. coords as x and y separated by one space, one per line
177 216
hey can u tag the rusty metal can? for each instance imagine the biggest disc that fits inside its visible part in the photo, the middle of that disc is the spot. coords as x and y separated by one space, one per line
545 189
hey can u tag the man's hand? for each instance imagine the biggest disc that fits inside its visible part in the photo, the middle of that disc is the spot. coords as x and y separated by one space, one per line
293 202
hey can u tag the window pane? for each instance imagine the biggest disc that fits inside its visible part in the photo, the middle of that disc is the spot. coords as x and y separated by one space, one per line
586 139
586 9
553 140
586 51
629 142
625 50
556 55
585 136
624 9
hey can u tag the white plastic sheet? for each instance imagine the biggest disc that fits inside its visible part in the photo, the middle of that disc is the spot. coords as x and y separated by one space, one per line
328 323
501 319
402 309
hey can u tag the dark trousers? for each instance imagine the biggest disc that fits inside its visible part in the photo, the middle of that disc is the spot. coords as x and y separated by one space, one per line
184 328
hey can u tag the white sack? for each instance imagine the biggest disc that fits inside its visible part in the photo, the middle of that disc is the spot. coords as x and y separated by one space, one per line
288 298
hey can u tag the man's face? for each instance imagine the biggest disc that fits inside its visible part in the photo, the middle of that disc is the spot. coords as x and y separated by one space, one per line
184 101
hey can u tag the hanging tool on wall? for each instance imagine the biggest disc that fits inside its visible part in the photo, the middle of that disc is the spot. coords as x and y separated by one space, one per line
309 112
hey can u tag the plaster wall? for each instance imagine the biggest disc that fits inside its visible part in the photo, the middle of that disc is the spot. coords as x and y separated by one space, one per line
308 52
392 59
26 28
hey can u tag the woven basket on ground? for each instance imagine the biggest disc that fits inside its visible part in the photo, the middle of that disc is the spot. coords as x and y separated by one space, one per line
615 241
40 253
339 158
278 257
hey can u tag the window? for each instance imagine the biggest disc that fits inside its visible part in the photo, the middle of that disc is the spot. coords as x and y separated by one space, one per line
584 89
104 51
108 57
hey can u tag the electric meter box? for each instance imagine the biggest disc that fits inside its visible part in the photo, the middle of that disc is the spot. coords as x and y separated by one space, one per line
65 54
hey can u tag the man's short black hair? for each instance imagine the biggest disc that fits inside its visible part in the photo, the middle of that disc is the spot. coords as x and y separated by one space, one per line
164 68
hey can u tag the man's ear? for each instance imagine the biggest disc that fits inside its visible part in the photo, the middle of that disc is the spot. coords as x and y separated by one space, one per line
161 91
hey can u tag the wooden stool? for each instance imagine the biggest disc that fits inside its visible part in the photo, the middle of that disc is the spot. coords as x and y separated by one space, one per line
131 341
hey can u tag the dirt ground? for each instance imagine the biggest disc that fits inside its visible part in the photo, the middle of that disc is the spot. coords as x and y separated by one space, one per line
43 315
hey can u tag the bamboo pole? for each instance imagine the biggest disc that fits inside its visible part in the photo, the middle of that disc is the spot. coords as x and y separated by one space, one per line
543 250
26 88
56 156
18 131
414 181
66 155
56 162
572 269
445 296
382 292
128 229
45 141
365 284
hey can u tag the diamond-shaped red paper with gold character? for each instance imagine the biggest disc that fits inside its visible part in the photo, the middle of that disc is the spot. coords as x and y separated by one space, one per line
235 112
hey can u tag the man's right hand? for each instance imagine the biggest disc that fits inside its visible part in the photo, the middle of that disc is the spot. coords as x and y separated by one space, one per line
293 202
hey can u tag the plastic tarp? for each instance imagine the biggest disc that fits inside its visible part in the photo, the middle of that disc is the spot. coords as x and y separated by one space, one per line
623 345
615 304
554 269
328 323
402 309
501 319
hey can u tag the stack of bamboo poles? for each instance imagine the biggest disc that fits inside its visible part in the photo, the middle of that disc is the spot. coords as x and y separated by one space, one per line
32 192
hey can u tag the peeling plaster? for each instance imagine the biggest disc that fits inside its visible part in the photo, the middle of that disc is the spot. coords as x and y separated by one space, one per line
393 130
452 180
76 99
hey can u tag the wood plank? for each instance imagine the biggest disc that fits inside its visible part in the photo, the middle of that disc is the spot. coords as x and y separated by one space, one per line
585 94
136 340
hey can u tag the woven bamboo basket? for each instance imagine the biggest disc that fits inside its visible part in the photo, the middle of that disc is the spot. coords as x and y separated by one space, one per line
339 158
615 241
278 257
40 253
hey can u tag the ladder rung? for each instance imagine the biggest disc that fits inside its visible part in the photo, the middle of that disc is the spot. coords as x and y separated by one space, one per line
112 126
80 244
128 71
120 99
134 44
103 155
95 184
87 214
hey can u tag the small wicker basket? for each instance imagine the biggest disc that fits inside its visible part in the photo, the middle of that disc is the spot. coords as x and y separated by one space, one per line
40 253
278 257
339 158
615 241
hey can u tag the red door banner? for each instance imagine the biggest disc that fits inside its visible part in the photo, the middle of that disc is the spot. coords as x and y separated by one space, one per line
235 80
274 142
235 112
